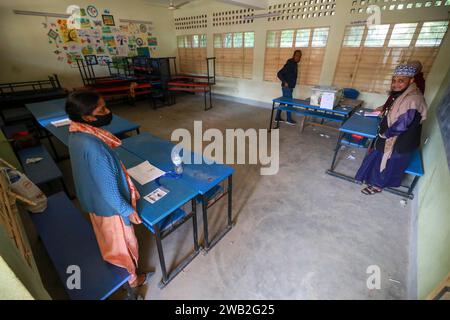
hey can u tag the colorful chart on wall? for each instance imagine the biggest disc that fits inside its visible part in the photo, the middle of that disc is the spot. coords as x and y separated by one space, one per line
143 28
93 35
139 42
108 20
152 41
91 59
67 35
92 11
109 40
144 51
104 60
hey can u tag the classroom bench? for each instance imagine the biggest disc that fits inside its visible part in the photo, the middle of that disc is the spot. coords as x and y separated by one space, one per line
70 241
44 171
359 132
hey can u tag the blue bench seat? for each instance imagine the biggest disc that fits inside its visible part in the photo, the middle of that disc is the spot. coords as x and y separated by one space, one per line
415 167
40 172
70 240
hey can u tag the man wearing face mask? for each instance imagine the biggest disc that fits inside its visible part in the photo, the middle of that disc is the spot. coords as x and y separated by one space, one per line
398 135
103 186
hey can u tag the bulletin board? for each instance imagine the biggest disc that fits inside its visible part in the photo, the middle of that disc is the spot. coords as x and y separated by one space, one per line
443 116
97 37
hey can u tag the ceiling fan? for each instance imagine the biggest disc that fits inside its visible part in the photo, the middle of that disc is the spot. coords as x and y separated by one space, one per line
174 7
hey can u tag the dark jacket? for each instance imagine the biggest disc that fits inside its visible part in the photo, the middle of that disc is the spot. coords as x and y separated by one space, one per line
408 128
288 74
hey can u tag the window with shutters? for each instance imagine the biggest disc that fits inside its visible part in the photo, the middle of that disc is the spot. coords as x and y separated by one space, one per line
234 54
192 53
281 44
369 55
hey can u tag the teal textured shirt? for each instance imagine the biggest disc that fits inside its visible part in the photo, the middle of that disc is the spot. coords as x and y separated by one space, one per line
100 182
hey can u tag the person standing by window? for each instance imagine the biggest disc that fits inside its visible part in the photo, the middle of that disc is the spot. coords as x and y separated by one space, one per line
288 77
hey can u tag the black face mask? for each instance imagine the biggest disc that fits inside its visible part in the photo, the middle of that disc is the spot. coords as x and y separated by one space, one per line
101 121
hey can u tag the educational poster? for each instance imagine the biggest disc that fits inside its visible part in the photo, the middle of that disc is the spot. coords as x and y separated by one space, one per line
132 40
91 59
67 35
72 58
139 42
122 51
106 29
97 23
96 36
133 28
100 49
112 51
109 40
108 20
152 41
121 40
88 50
104 60
132 50
144 51
92 11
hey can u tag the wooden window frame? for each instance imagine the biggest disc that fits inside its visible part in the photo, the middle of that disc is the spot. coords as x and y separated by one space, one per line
192 60
234 62
369 69
312 57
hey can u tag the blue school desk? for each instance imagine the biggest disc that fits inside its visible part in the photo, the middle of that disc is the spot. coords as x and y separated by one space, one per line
204 178
48 111
339 114
166 215
367 130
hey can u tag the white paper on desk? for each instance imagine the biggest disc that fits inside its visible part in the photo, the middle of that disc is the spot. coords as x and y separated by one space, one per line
61 123
145 172
371 114
327 100
156 194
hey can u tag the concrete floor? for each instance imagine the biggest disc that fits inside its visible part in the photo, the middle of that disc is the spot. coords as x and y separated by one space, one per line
300 234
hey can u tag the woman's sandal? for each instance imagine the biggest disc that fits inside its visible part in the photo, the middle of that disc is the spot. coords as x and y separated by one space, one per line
370 190
148 275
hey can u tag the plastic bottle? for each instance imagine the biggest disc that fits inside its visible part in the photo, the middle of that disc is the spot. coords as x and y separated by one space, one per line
177 162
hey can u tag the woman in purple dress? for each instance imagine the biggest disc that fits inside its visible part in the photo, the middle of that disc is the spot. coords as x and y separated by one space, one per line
398 135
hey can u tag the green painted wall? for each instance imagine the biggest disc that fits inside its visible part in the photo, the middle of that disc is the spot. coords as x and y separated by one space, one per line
17 279
433 238
6 152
